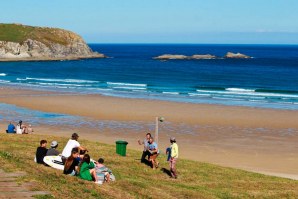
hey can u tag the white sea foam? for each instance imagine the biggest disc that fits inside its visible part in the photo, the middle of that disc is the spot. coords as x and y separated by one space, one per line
171 93
240 90
62 80
3 74
245 92
4 81
126 84
129 88
60 84
198 94
21 79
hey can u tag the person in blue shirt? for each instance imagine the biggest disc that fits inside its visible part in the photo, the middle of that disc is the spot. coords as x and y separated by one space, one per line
11 128
154 152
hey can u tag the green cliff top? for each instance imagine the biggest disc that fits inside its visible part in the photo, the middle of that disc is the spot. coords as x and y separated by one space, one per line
20 33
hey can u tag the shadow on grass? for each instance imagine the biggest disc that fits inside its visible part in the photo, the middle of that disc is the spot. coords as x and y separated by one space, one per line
146 162
167 171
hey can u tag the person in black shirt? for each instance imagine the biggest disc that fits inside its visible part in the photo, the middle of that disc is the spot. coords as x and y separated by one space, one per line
41 151
72 162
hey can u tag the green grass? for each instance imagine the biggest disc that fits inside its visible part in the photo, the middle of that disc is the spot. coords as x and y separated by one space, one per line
20 33
136 180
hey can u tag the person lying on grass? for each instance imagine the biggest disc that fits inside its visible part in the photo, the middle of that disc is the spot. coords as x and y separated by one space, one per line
87 170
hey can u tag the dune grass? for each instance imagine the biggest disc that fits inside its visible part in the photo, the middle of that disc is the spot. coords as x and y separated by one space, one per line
136 180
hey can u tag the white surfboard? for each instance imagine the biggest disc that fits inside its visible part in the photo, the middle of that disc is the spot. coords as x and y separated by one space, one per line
54 161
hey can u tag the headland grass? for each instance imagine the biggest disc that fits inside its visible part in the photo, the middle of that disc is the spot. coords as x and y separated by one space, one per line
19 33
136 180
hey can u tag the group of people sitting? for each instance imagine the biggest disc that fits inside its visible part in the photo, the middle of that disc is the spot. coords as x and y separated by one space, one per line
20 129
76 161
151 150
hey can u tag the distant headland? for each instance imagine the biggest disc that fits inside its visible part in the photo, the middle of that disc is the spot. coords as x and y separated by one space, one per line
28 43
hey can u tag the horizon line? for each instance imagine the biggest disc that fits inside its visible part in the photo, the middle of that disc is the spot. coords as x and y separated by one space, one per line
141 43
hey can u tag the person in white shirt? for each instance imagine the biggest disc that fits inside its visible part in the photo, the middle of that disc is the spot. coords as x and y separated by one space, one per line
72 143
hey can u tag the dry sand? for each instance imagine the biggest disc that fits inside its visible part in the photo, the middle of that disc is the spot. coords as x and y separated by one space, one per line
261 140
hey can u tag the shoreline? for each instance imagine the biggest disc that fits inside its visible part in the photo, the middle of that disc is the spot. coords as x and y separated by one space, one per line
254 139
37 59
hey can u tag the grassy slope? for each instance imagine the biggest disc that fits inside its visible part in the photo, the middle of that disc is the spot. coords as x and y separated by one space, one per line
20 33
135 180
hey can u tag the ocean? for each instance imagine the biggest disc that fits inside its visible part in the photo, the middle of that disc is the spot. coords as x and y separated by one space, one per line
268 80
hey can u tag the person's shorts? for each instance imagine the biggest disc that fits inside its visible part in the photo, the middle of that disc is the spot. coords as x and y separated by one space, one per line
73 173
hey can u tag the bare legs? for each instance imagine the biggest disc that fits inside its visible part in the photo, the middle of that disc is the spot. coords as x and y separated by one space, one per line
153 161
93 174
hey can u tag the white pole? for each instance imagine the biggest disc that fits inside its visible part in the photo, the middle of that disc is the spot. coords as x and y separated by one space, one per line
156 130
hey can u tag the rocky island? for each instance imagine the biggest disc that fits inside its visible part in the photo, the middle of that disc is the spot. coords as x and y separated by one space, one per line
27 43
169 56
229 55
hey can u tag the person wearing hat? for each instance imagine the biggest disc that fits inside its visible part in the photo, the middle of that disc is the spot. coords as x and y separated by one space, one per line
53 150
174 157
72 143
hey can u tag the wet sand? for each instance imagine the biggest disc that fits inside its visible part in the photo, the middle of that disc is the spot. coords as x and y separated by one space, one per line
261 140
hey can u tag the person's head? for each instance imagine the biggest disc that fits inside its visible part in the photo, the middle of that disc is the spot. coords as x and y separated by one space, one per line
43 143
54 144
86 158
151 140
69 161
173 140
101 160
75 152
20 122
148 135
75 136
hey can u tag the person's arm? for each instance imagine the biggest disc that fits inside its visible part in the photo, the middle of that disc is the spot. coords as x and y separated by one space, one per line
155 149
91 165
82 148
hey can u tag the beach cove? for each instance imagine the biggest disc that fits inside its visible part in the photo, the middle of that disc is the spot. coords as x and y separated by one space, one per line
254 139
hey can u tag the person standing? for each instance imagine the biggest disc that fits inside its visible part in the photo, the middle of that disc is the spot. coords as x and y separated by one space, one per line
174 157
146 145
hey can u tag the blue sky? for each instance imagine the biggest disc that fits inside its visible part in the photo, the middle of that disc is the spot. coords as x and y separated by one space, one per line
163 21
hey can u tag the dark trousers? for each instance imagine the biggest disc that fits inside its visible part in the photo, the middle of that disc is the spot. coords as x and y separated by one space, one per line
144 155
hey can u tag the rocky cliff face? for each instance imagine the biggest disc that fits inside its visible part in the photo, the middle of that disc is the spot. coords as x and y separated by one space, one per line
47 44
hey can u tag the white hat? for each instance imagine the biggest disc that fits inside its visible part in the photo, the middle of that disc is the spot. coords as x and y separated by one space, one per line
54 144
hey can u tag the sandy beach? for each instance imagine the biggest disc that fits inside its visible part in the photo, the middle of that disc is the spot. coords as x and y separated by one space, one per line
261 140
